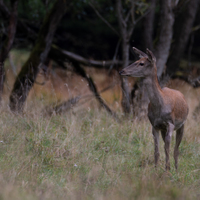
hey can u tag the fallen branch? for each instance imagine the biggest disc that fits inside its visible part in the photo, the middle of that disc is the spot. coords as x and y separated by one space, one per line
67 55
103 19
56 55
92 86
62 107
68 105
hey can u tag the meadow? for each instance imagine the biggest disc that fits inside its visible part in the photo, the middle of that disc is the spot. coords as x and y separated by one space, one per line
86 154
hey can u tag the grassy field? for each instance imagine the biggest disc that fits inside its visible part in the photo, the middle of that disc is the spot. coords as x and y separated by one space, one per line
87 155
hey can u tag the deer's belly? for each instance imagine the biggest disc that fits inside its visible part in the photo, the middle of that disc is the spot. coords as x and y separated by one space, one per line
158 123
161 122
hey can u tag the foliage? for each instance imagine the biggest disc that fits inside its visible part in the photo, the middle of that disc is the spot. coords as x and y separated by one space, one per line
34 10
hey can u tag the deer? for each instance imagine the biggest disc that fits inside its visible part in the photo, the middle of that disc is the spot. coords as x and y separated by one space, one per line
167 109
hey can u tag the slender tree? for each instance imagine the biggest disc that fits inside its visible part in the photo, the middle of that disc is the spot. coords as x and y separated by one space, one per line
126 26
125 12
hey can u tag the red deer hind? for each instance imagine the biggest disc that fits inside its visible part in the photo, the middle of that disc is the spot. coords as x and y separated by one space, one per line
167 110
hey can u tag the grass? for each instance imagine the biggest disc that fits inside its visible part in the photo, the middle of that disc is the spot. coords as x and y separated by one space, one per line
87 155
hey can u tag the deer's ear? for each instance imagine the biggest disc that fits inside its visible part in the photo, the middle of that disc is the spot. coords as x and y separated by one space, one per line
139 53
151 57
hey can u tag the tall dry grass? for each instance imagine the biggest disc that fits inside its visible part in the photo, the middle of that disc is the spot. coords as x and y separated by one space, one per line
86 154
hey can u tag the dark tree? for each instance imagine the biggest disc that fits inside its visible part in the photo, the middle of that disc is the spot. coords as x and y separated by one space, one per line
148 26
164 35
182 29
29 71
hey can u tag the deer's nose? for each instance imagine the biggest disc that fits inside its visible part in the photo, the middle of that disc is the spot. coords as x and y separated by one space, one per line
121 72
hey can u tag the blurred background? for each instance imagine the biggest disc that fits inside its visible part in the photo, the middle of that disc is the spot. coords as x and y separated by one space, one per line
68 53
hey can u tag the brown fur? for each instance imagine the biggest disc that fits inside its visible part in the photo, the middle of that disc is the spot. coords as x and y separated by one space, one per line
167 110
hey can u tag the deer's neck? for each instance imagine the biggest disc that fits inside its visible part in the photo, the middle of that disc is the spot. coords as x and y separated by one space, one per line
154 90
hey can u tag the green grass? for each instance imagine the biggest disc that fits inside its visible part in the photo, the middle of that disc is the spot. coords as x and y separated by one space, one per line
88 155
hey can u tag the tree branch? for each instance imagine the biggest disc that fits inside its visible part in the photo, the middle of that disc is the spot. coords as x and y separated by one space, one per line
66 55
4 10
115 55
103 19
127 16
121 20
142 16
92 86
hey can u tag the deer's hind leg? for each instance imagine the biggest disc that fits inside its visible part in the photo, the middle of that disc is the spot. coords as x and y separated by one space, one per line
179 136
168 136
156 145
163 133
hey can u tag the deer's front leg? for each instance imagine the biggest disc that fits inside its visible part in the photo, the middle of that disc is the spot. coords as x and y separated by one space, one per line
156 145
168 136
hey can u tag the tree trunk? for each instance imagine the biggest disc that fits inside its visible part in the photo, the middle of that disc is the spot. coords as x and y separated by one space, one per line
126 26
9 39
126 100
1 79
148 26
182 29
165 35
29 71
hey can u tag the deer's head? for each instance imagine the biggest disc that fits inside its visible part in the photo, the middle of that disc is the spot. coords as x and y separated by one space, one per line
143 67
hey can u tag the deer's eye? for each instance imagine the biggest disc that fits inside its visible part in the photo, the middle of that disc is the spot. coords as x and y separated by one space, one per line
141 64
